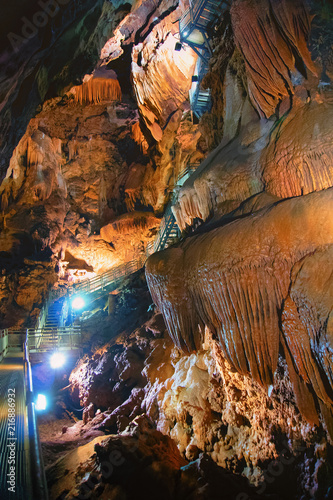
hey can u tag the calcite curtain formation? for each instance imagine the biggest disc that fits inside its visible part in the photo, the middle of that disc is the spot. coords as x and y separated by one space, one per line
101 86
235 280
271 37
256 282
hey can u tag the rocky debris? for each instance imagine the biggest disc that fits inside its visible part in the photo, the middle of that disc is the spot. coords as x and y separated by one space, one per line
205 406
153 463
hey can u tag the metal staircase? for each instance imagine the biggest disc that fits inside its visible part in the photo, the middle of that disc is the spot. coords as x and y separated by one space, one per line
200 98
167 233
54 314
168 230
50 331
20 445
199 18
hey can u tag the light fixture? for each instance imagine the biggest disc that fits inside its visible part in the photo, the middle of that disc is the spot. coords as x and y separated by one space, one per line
57 360
41 402
78 303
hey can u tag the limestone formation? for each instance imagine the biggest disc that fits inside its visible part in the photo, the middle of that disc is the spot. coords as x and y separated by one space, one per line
219 381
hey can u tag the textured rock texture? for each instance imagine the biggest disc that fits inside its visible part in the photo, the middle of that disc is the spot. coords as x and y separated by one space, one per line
154 464
210 411
43 52
244 381
218 280
271 35
94 169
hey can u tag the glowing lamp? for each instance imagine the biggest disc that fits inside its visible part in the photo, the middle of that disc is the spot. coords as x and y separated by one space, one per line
78 303
41 402
57 360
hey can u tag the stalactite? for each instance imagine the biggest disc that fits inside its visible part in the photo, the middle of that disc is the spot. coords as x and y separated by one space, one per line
145 196
132 196
129 223
306 324
299 158
268 34
35 154
234 280
73 149
97 90
138 137
57 144
4 201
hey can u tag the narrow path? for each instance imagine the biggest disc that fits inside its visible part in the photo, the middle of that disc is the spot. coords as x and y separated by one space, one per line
12 383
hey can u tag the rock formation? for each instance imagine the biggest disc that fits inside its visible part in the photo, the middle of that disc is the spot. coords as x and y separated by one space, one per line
232 375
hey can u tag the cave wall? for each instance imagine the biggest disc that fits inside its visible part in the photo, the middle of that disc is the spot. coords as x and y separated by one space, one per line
43 52
244 298
96 164
261 197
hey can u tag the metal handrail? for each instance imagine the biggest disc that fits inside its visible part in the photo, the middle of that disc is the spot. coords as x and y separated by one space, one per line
37 472
197 18
48 337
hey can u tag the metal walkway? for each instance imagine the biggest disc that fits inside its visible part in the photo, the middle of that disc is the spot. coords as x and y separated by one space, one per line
194 26
14 449
21 468
168 231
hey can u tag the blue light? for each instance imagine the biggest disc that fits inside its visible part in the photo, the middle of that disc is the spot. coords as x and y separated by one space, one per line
41 402
57 360
78 303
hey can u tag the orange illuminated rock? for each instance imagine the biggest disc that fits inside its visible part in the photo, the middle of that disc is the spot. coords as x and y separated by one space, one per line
130 233
299 158
234 279
308 327
268 34
101 86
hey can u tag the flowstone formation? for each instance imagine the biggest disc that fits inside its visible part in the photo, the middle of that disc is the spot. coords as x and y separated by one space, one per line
257 271
227 387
